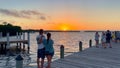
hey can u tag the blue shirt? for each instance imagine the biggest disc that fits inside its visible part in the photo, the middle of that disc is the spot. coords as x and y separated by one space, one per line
49 45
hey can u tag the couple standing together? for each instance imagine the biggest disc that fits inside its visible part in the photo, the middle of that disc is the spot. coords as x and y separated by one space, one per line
45 48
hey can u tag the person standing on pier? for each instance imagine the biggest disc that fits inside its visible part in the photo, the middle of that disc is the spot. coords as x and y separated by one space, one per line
49 50
41 49
97 38
108 38
103 39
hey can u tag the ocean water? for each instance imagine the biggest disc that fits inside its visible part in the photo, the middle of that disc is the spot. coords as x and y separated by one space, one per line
70 40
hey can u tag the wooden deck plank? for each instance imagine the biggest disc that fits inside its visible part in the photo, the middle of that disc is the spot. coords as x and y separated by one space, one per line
92 58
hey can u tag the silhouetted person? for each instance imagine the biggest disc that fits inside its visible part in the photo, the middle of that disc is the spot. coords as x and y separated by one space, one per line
108 38
49 50
41 49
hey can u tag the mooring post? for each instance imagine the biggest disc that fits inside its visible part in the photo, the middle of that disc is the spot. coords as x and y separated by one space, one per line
8 43
17 48
20 43
90 43
80 46
2 49
19 61
61 51
28 41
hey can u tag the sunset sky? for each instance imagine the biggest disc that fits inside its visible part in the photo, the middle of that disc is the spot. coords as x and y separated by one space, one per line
62 14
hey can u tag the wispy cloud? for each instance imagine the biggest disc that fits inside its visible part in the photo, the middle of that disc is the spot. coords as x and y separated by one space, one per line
24 14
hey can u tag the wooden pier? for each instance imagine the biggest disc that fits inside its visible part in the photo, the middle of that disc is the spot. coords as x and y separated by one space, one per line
89 58
14 41
5 42
92 58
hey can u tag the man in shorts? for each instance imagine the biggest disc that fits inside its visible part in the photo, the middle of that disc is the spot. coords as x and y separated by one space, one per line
41 49
108 38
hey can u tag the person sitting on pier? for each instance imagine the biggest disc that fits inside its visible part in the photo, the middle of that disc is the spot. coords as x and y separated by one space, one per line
41 49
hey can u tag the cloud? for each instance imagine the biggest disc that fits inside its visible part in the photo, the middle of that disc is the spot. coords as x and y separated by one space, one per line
29 14
42 17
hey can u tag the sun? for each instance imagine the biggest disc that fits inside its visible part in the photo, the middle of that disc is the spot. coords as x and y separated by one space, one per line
64 28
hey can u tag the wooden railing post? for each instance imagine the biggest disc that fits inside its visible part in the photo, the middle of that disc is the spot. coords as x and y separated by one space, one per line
17 47
0 34
61 51
80 46
23 39
28 37
8 43
90 43
19 61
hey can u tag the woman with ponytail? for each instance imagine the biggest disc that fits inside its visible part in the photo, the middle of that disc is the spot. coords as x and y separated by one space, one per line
49 50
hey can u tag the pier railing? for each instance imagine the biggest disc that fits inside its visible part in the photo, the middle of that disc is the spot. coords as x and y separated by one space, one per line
5 42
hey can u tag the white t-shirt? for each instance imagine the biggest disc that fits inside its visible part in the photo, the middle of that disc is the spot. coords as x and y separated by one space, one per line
40 45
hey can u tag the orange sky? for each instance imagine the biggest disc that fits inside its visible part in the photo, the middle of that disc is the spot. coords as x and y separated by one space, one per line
62 14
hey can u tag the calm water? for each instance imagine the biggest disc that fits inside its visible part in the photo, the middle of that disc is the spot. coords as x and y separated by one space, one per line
70 40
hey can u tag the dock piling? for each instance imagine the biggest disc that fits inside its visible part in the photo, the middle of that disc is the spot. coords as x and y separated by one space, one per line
8 43
19 61
23 39
90 43
80 46
28 37
61 51
0 34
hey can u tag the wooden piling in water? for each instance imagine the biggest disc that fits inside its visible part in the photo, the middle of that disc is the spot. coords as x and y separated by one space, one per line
20 43
0 34
17 48
28 37
23 39
8 43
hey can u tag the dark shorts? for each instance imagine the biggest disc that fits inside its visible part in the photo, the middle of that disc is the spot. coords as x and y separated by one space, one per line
41 53
107 40
48 53
117 38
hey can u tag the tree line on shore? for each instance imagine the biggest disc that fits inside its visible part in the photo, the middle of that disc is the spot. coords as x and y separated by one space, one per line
7 27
